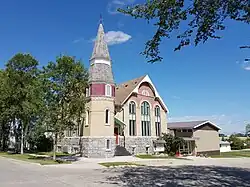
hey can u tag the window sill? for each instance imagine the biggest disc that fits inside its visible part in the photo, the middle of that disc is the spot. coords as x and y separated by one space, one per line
108 150
107 124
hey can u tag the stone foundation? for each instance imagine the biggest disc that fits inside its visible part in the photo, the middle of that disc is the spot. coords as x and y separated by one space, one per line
96 147
140 144
92 147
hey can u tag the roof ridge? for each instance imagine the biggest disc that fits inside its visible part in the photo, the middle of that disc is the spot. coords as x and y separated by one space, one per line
131 80
188 121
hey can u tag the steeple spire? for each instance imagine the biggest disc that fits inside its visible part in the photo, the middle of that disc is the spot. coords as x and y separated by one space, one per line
101 20
100 70
101 48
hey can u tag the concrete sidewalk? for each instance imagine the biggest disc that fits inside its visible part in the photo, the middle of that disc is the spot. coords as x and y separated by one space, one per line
113 159
93 163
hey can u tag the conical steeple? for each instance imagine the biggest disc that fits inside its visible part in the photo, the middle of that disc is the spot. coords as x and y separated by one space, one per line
100 70
101 48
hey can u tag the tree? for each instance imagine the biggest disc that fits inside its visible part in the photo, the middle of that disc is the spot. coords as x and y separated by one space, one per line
247 129
78 100
236 143
172 143
24 92
202 19
222 135
247 141
65 82
4 109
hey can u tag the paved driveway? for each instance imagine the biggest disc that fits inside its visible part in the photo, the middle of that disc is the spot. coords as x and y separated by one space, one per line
198 173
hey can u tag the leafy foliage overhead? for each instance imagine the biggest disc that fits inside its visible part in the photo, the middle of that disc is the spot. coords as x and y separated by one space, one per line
200 18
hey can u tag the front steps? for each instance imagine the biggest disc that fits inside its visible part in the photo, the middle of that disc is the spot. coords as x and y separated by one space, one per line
121 151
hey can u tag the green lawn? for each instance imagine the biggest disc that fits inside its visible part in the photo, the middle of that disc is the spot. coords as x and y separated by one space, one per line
233 154
33 159
116 164
51 154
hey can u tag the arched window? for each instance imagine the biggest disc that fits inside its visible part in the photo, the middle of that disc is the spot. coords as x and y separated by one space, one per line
132 107
107 116
108 91
145 119
157 121
132 119
87 120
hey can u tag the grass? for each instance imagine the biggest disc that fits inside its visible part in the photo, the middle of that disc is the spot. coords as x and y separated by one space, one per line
33 159
233 154
116 164
51 154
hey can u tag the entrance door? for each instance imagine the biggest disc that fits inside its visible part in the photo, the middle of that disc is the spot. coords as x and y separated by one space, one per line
116 133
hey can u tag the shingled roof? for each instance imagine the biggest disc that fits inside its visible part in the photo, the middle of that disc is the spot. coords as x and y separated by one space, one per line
124 89
100 71
189 124
101 48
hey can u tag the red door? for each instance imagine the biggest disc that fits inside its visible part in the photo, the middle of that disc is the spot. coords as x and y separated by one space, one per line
116 135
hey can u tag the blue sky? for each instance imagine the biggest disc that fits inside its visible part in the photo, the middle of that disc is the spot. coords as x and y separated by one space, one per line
204 82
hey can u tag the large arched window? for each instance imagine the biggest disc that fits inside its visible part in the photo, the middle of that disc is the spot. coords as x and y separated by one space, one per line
107 114
157 121
132 119
145 119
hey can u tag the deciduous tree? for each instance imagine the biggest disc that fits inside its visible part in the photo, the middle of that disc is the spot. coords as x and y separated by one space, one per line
65 82
24 92
191 22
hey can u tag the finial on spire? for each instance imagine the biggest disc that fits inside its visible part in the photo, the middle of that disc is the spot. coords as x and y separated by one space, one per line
101 19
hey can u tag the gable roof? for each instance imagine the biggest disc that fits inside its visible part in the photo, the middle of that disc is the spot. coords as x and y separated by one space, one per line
190 124
124 91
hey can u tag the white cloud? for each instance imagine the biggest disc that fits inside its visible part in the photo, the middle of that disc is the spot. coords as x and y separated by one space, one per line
247 68
245 64
78 40
228 123
115 4
175 97
115 37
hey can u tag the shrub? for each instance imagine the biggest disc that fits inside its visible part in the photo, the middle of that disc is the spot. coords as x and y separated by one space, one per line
236 143
172 143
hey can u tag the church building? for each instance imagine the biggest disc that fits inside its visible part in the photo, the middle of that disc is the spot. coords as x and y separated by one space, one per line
120 119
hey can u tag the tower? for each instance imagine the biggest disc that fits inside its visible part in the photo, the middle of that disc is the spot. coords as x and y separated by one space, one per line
101 90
